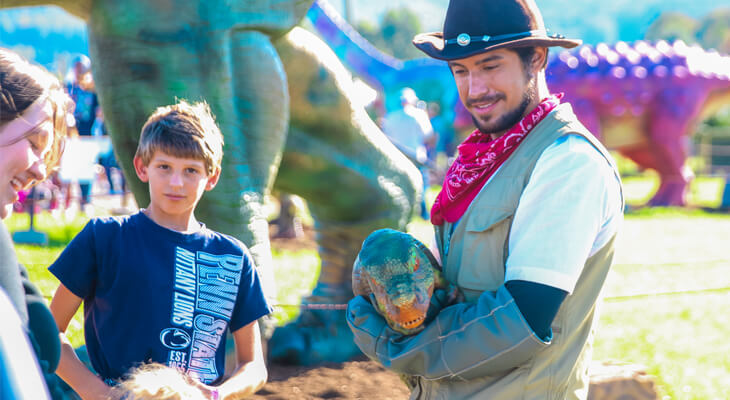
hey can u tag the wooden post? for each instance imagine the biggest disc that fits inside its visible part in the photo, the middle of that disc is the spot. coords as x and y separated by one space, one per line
618 381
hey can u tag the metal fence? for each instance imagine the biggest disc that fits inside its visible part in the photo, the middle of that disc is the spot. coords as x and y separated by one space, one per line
712 145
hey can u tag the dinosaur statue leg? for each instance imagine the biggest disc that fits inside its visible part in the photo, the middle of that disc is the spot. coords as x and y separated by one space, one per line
642 155
669 141
645 156
354 181
288 223
241 77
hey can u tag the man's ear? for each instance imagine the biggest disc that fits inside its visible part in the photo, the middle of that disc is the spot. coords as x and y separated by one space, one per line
539 59
213 179
141 169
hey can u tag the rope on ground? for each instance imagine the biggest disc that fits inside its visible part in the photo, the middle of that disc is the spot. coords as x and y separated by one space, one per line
328 306
310 306
680 263
313 306
611 299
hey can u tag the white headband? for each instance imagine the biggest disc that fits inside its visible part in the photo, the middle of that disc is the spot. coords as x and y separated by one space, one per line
28 120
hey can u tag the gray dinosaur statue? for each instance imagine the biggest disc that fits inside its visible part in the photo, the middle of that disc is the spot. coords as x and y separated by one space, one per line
283 102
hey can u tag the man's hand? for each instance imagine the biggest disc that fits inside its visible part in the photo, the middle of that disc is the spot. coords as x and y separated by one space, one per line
439 300
366 324
363 310
466 340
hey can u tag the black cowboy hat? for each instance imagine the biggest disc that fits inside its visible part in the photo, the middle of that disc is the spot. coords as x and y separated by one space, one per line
476 26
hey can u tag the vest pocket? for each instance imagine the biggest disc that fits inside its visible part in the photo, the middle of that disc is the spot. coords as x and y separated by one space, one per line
483 251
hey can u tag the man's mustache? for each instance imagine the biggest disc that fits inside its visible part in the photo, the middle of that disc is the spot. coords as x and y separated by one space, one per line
490 98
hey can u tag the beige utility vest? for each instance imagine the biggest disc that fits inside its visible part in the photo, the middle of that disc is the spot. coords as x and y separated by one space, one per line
474 257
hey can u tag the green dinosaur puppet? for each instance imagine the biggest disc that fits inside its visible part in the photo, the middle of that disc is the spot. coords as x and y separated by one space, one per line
402 275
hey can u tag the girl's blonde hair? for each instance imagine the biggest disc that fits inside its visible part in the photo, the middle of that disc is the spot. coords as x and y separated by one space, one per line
155 381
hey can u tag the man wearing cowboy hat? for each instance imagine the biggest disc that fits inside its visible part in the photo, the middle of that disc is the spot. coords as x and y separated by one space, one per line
525 225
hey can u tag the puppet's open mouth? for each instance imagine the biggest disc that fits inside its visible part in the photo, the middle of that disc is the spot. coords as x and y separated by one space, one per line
413 323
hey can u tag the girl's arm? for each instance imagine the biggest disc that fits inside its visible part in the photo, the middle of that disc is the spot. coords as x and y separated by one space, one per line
70 368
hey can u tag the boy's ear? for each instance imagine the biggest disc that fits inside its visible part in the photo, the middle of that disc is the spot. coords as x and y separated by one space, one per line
141 169
213 179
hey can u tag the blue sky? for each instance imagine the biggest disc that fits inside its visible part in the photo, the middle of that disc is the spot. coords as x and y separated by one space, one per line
590 20
593 21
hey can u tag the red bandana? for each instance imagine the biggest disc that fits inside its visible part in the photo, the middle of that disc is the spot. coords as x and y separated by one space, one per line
478 159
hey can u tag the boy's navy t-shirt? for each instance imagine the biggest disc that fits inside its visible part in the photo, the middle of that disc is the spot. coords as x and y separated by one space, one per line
154 294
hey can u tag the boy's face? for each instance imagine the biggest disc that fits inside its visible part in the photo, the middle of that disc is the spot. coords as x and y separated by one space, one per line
176 184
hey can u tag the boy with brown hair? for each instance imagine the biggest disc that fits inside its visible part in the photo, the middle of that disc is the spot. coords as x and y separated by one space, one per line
158 286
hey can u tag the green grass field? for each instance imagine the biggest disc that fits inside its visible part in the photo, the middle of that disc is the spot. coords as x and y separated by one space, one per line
666 299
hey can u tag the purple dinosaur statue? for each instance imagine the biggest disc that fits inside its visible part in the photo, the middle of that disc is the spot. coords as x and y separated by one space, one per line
641 99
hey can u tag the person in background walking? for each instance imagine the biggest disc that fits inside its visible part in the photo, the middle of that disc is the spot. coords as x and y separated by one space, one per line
410 130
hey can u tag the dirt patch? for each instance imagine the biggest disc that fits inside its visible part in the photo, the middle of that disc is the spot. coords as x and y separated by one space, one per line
350 380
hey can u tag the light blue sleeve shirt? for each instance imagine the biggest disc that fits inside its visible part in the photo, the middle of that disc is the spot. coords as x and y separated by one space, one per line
571 207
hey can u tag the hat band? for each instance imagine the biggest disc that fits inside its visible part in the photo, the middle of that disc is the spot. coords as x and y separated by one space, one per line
465 39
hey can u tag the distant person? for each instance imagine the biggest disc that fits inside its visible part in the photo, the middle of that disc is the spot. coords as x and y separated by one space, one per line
33 108
107 159
81 87
443 130
159 286
409 129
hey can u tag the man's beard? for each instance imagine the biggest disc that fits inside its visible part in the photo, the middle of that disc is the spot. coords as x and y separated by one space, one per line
511 117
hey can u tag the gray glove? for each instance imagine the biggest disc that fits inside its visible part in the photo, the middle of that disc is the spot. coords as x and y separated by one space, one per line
463 341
